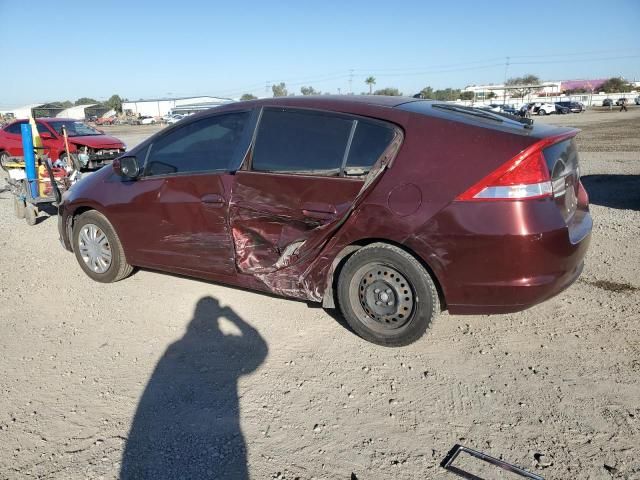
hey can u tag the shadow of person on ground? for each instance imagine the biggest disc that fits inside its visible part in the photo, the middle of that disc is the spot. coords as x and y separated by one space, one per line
187 424
613 191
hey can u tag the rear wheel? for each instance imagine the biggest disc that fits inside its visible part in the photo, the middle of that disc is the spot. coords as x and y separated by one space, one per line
386 295
98 249
542 112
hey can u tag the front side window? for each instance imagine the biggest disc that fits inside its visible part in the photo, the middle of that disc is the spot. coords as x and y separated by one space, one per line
297 141
207 145
43 129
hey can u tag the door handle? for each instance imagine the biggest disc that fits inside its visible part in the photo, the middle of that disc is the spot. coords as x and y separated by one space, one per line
213 200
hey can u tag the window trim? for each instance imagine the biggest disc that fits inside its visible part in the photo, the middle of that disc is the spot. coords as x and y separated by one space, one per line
249 128
398 133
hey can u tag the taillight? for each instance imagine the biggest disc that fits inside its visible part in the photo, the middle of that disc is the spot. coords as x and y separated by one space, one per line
525 176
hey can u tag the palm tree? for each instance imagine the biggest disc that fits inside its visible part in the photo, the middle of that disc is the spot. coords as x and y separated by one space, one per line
371 81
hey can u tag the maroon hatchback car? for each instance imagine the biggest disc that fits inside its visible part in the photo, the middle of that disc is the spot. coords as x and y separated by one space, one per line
393 208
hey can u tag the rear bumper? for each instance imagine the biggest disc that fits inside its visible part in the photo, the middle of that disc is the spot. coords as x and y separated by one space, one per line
505 257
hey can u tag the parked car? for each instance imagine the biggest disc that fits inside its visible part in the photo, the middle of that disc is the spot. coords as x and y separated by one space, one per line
391 208
147 120
91 147
607 102
174 119
637 100
561 110
574 107
499 107
620 100
106 120
539 108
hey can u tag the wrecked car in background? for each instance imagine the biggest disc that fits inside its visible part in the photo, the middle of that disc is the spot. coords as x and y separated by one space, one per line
390 208
92 148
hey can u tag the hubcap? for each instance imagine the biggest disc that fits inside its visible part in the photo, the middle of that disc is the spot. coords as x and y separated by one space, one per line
95 249
386 296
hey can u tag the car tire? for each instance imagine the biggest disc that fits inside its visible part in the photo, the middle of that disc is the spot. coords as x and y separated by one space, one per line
98 249
542 112
75 161
4 160
386 295
19 207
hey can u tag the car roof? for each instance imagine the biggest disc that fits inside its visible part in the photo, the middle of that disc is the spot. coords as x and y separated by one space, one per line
329 101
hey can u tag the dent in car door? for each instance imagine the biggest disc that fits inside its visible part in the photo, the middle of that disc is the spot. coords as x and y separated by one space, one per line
280 219
185 209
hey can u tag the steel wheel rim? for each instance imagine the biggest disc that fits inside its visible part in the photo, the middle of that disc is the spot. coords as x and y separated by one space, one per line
385 297
94 248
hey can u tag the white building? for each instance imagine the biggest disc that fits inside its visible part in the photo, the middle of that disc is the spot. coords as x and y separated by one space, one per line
162 106
76 112
21 112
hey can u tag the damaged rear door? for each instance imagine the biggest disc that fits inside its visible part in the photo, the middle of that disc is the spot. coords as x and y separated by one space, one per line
305 172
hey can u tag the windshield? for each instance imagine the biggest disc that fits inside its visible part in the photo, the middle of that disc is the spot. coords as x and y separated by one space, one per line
74 128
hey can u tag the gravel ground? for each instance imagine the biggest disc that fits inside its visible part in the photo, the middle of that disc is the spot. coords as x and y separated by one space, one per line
230 382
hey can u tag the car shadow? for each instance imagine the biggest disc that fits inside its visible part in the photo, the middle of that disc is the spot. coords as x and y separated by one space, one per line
613 191
187 423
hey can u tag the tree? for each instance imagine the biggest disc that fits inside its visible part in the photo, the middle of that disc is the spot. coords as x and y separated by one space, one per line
491 95
525 83
426 92
309 91
115 103
248 96
371 81
466 96
85 101
615 85
446 94
279 90
393 92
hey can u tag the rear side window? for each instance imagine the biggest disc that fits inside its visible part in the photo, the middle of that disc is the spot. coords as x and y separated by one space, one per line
301 142
14 128
318 143
210 144
369 142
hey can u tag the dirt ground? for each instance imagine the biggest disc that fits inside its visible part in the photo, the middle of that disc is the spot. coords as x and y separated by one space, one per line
237 383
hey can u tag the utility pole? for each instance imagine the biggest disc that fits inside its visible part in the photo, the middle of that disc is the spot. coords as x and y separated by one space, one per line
504 90
266 87
350 81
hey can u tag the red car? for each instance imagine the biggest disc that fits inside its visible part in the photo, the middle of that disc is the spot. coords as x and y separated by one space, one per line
392 208
92 147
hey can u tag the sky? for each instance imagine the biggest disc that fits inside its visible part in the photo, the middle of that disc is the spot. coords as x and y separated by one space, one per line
66 49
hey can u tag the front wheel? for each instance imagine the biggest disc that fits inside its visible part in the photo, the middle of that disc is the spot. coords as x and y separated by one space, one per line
98 249
386 295
4 160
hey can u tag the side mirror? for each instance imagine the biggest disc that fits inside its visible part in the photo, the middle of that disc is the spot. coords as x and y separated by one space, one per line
126 167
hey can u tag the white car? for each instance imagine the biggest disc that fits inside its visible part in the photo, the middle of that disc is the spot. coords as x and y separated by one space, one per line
174 119
543 108
148 121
